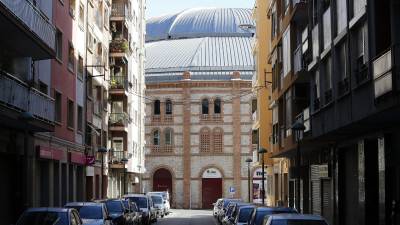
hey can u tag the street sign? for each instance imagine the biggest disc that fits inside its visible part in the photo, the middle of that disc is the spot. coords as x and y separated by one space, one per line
232 190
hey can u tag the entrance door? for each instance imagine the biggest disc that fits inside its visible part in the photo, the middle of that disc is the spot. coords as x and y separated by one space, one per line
211 191
162 181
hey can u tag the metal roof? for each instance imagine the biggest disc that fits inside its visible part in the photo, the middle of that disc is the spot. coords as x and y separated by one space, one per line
200 22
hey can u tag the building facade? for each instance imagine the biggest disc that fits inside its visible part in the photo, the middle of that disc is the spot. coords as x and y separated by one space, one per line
334 71
198 105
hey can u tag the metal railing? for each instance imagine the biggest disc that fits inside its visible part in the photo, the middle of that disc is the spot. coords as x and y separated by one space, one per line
119 82
34 19
120 9
121 119
117 156
119 46
16 94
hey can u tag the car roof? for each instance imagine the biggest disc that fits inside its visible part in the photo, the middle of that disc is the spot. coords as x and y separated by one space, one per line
267 208
84 204
296 216
134 195
48 209
247 207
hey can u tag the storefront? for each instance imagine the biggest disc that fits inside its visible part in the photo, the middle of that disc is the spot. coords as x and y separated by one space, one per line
257 185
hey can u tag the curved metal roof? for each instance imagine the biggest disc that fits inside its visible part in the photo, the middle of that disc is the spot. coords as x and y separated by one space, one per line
199 22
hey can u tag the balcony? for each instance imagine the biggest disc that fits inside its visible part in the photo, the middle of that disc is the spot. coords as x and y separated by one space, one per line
36 24
119 48
120 11
210 118
119 120
162 149
382 68
119 82
17 95
115 159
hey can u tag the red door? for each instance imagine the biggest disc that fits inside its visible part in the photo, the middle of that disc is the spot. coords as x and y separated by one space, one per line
162 181
211 191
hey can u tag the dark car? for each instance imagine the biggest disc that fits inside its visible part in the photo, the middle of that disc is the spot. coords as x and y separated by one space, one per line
235 207
92 213
50 216
132 211
224 207
243 215
143 203
259 213
116 210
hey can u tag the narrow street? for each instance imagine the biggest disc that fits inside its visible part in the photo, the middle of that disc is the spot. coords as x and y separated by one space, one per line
188 217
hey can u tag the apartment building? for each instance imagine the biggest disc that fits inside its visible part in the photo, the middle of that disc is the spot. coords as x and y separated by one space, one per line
334 71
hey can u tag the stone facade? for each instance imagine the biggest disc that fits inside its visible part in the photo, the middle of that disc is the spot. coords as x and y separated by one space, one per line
186 158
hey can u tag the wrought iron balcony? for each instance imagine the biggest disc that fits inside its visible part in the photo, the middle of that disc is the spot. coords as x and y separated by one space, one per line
117 156
119 119
120 9
32 18
119 46
19 96
119 82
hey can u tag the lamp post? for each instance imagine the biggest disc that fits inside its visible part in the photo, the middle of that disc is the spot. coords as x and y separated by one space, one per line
124 161
298 128
262 151
248 160
102 151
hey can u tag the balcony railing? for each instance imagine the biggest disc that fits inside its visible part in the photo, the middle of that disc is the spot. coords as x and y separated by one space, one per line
298 60
117 156
119 46
118 82
382 71
120 9
18 95
34 19
119 119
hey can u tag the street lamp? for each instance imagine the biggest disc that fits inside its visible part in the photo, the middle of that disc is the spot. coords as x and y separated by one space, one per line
262 151
102 151
298 128
248 160
124 161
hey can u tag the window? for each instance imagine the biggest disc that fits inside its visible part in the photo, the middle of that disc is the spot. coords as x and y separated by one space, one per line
59 44
204 106
80 118
71 57
205 140
341 12
58 108
217 106
80 67
70 115
168 107
217 139
81 15
90 41
357 6
72 8
328 74
156 137
342 61
118 144
157 110
43 87
106 17
287 64
168 136
317 90
285 6
288 110
253 106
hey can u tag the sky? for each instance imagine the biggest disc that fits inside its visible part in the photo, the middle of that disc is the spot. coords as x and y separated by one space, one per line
162 7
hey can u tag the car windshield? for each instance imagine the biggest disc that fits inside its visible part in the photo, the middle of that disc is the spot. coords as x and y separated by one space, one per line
43 218
114 206
157 199
298 222
244 214
89 212
141 202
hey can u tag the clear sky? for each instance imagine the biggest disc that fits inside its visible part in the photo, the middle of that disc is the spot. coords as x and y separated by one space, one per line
161 7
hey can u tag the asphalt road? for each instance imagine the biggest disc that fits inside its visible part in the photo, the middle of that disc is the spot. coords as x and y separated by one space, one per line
188 217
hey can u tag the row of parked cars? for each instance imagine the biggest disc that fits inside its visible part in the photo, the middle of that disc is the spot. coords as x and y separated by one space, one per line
131 209
236 212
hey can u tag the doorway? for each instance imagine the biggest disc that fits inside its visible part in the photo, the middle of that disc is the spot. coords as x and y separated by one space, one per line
162 181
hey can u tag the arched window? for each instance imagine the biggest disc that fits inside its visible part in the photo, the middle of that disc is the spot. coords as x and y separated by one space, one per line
157 107
168 107
217 106
168 136
218 140
205 140
156 137
204 106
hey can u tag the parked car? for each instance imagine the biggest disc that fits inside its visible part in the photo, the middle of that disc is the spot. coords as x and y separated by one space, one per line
257 217
228 213
144 205
165 195
116 210
137 212
50 216
92 213
158 205
217 207
231 217
244 214
294 219
153 210
224 204
131 214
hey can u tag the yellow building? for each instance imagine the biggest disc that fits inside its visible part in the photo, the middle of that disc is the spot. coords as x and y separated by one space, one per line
276 184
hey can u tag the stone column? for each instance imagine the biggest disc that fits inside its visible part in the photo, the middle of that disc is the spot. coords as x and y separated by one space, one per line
186 140
236 133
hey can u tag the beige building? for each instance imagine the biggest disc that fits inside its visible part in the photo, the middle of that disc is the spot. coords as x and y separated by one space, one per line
198 105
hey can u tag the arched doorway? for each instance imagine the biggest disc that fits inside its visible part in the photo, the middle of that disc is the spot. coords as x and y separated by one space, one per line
162 181
211 186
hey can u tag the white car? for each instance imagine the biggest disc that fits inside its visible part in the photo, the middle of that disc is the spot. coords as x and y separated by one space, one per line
158 202
165 196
